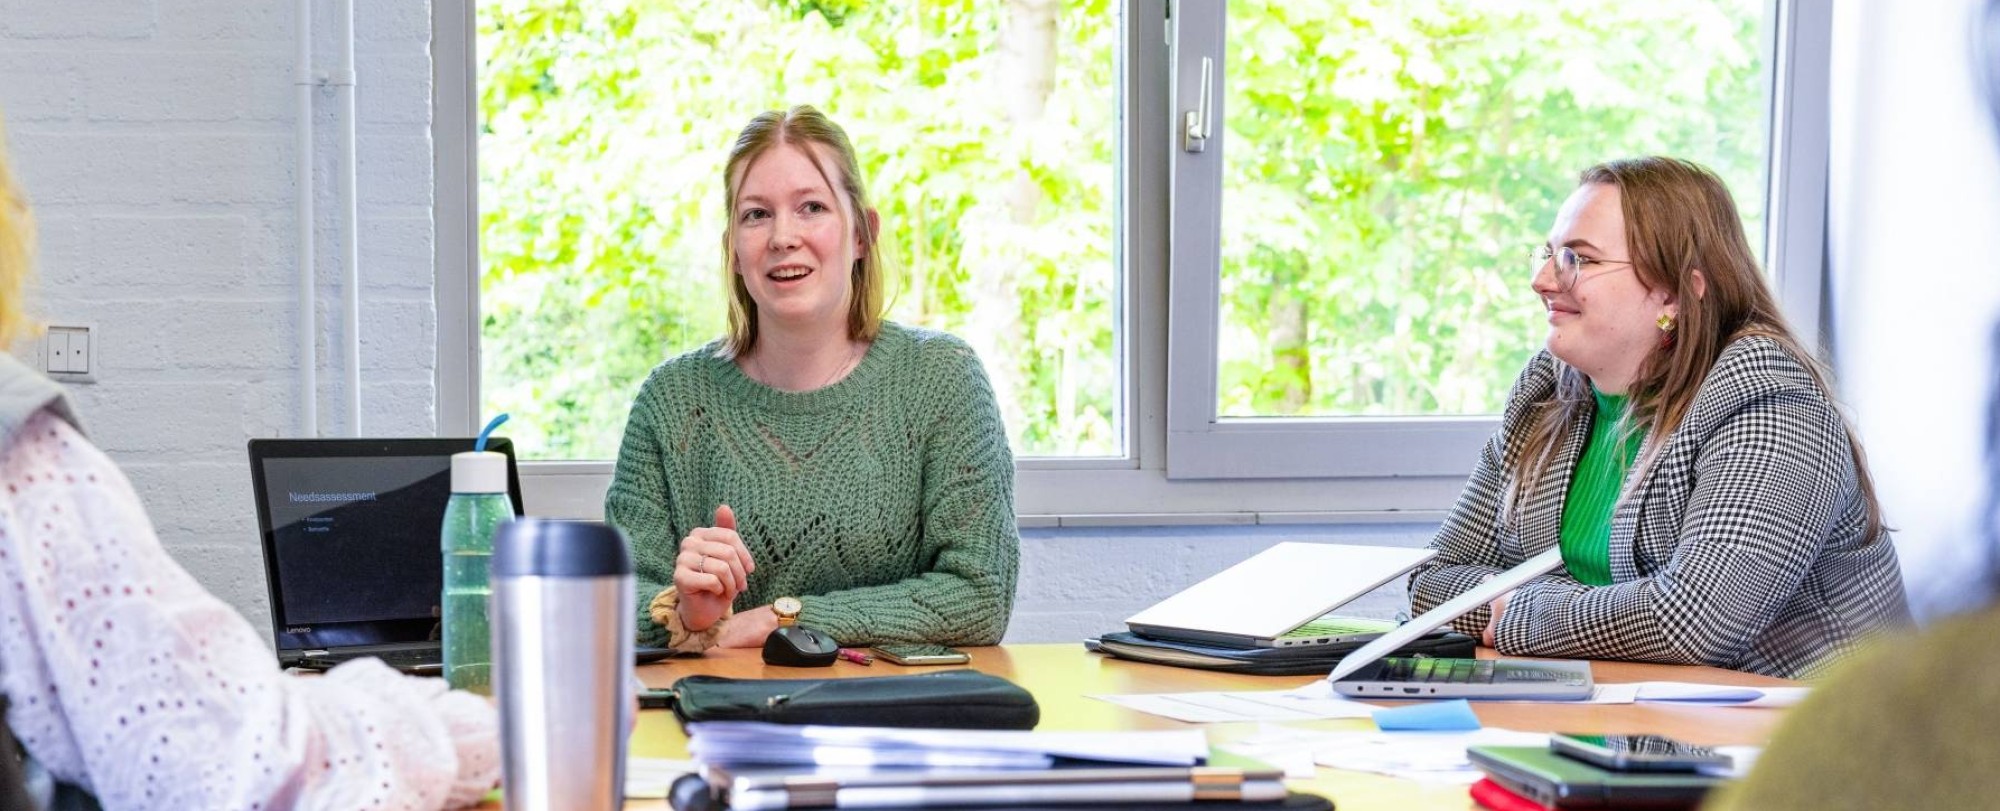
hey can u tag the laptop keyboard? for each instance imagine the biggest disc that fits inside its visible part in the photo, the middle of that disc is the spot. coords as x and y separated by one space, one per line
1334 627
1445 671
398 658
409 657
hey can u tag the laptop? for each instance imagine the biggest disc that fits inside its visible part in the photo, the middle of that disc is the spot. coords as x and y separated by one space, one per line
350 536
1369 672
1280 597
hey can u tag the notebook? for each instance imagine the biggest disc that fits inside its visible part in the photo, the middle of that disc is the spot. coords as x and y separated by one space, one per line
1280 597
350 538
1558 782
1365 673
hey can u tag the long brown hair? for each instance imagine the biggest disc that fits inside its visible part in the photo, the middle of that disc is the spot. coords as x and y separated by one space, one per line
823 141
1679 217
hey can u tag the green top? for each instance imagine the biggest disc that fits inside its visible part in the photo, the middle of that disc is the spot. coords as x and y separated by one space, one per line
1593 493
884 501
1908 724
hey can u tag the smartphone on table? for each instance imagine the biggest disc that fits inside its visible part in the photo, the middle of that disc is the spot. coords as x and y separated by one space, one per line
1637 753
921 654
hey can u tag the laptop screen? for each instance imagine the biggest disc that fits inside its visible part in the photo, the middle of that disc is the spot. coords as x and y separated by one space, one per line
350 534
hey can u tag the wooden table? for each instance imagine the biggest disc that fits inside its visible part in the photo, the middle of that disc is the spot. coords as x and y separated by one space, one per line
1060 676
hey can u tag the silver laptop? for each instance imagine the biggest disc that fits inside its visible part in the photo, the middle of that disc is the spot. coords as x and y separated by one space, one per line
1280 597
1369 672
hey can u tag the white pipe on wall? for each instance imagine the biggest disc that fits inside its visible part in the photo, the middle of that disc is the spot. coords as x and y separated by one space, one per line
308 321
350 220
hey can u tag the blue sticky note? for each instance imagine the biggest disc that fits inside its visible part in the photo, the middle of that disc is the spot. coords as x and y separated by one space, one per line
1428 716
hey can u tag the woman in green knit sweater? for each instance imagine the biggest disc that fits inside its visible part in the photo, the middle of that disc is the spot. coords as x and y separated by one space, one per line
816 452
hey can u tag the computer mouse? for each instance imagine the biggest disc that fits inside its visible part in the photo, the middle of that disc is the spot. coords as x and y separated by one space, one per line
798 646
690 792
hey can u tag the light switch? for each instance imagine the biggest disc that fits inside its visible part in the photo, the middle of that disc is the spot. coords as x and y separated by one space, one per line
56 350
69 353
79 350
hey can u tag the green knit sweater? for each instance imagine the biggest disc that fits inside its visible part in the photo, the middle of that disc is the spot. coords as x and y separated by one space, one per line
885 502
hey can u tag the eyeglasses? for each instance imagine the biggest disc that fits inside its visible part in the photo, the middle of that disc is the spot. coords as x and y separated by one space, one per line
1569 264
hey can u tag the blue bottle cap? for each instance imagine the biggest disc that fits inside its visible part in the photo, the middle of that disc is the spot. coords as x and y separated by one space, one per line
544 547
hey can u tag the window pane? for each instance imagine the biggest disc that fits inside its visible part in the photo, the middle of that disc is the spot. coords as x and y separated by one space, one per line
987 134
1390 165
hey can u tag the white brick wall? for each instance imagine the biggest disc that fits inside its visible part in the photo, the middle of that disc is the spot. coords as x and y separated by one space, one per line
155 139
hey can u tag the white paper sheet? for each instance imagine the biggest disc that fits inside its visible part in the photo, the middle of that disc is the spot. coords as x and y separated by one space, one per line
1314 700
1287 748
649 778
1424 756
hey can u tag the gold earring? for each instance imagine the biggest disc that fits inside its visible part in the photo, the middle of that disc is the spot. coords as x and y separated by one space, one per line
1666 322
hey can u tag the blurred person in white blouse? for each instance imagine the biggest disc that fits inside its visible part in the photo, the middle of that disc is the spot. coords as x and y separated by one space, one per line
123 678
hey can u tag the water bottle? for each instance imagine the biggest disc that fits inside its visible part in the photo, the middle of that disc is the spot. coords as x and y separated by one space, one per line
562 649
478 506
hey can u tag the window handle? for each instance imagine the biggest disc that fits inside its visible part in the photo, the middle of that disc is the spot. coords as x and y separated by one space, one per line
1200 122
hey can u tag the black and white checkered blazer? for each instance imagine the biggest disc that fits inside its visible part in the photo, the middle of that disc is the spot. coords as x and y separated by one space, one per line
1742 548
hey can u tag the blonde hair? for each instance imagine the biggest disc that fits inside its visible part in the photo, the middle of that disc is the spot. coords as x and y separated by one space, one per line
1679 217
17 241
823 141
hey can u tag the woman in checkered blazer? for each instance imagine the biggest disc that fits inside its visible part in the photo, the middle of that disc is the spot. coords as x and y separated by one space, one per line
1711 502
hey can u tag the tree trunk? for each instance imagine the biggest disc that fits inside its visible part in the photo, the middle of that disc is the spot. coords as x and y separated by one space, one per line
1290 351
1024 74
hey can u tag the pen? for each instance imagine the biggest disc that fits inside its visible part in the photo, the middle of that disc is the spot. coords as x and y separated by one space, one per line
858 657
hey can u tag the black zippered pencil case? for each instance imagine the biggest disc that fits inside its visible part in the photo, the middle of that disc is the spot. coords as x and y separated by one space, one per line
951 699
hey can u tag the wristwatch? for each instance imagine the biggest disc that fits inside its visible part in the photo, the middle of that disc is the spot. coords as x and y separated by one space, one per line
787 609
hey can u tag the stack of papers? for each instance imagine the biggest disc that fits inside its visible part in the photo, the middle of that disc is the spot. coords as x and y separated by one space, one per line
751 766
749 742
777 788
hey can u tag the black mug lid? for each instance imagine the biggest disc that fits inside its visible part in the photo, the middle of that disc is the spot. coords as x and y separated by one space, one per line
543 547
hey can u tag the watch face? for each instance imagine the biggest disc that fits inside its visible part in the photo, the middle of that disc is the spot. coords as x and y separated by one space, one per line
787 606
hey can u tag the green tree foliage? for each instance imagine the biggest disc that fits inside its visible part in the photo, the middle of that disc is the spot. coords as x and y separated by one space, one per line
1390 164
606 125
1393 162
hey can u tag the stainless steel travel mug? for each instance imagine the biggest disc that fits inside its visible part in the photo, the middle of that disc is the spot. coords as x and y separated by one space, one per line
562 660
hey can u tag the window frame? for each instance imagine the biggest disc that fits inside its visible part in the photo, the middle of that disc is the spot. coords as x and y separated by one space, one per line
1204 445
1181 464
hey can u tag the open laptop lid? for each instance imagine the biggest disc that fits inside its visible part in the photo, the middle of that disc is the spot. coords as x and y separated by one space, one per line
1275 591
1447 611
350 536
